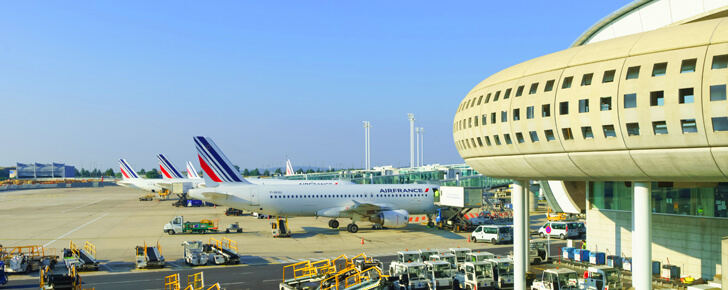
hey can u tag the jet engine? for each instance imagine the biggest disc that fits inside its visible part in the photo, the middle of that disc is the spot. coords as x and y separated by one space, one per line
391 218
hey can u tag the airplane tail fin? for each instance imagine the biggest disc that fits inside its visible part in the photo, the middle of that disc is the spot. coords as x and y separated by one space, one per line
289 167
215 164
192 172
167 168
126 170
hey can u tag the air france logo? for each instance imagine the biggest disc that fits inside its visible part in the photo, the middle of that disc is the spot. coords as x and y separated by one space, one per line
400 190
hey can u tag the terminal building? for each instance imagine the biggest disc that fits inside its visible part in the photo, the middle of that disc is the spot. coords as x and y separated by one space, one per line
631 123
39 170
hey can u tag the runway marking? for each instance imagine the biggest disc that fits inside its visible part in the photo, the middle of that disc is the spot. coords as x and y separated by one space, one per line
274 280
173 264
107 267
80 206
78 228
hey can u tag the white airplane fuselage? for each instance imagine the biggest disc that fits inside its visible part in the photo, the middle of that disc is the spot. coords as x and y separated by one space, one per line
141 183
319 200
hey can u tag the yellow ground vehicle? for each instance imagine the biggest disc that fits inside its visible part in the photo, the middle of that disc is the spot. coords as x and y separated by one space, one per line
558 217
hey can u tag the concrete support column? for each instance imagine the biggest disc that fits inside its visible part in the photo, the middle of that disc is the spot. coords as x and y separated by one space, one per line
519 199
642 236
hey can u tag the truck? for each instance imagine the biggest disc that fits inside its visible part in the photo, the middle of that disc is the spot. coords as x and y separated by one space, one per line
439 275
455 203
537 253
178 225
503 272
476 275
557 279
149 256
194 254
602 277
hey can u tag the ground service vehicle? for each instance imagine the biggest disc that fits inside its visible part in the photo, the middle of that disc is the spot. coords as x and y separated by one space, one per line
447 257
227 249
279 228
26 259
234 212
194 254
602 277
81 258
557 279
178 225
460 254
492 233
475 276
503 272
425 255
439 274
411 275
50 281
482 219
537 253
149 256
478 256
403 257
559 229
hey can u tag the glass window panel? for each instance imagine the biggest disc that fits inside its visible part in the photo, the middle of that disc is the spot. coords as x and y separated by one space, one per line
519 91
587 132
497 94
659 127
492 118
608 76
480 142
567 82
586 79
605 103
688 65
630 101
476 121
584 106
720 124
659 69
484 119
633 72
487 141
480 100
507 137
516 114
563 108
504 116
549 135
546 110
519 137
534 136
496 139
717 93
686 96
657 98
633 129
529 112
534 89
549 86
487 98
507 94
609 131
567 134
720 61
688 126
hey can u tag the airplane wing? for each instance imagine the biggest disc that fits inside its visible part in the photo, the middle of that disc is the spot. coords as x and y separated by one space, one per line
215 195
363 209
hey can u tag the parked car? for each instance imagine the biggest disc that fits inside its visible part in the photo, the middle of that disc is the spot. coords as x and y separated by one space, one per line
581 229
562 230
492 233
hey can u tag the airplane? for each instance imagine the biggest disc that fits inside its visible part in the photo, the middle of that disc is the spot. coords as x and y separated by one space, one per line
384 205
171 174
192 172
132 180
289 167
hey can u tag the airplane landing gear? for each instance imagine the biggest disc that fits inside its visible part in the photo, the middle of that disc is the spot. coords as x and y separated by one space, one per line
430 224
334 224
352 228
376 227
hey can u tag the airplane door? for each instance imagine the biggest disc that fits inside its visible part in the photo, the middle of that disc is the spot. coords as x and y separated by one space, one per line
254 196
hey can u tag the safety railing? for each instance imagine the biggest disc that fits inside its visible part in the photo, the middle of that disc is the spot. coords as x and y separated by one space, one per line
171 282
214 286
230 244
91 249
197 281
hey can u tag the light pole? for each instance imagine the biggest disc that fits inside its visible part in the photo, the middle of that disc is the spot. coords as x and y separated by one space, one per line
411 118
422 143
417 144
367 126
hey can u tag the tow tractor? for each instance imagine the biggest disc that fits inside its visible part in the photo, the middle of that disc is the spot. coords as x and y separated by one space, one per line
81 258
602 277
178 225
403 257
425 254
279 228
537 253
26 259
149 256
3 275
460 254
476 275
411 275
503 269
478 256
193 253
439 274
557 279
447 257
234 212
227 249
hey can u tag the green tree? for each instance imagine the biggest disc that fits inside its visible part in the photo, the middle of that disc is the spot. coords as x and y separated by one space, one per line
279 171
299 171
309 170
246 172
237 168
152 174
143 172
118 175
85 173
78 173
109 172
255 172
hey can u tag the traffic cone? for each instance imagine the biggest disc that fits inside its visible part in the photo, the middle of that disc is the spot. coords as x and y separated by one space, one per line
362 241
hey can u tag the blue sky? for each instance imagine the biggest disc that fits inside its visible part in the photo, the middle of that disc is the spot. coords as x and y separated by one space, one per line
88 82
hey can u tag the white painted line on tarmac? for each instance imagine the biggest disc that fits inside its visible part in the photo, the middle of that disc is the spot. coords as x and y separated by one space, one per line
107 267
80 206
173 264
78 228
274 280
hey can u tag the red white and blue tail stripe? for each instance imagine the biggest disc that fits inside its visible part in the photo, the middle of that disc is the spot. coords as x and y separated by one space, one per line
214 163
192 172
289 168
167 168
126 170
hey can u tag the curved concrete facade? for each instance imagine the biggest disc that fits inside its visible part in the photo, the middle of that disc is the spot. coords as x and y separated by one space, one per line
649 106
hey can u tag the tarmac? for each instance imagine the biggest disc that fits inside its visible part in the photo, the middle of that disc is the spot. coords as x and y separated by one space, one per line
115 222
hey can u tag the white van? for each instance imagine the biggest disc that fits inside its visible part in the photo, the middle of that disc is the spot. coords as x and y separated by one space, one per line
563 230
494 234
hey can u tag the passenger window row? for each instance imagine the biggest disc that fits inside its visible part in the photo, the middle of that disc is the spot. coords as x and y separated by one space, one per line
351 195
